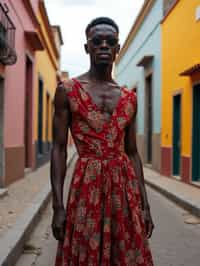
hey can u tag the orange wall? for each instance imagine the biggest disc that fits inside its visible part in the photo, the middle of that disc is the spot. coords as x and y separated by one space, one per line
180 51
46 68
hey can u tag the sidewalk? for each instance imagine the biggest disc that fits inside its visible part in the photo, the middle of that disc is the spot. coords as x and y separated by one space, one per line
20 210
185 195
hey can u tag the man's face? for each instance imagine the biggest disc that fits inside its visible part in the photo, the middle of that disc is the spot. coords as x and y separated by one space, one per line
102 44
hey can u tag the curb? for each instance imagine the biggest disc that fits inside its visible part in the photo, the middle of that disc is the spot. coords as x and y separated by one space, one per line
185 203
13 242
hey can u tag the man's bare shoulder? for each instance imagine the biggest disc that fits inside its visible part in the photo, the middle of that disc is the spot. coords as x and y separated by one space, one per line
61 95
65 85
83 78
115 83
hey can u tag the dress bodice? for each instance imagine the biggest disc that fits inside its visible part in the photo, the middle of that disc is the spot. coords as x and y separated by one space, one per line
93 135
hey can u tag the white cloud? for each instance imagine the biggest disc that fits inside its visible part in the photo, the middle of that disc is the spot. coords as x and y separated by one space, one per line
73 17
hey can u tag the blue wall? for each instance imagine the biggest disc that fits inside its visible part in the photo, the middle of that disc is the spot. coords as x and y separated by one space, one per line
146 42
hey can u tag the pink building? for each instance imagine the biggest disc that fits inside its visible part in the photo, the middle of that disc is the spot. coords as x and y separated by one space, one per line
16 87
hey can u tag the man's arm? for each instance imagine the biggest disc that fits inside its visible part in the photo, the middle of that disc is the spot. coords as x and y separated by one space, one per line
61 122
132 152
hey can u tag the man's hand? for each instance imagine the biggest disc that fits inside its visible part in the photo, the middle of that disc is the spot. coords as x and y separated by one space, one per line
58 224
149 225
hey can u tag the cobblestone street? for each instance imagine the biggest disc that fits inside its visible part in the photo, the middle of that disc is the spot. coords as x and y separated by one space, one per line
174 242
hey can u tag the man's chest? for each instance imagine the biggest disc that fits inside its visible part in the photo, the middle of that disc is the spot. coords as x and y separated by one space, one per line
104 97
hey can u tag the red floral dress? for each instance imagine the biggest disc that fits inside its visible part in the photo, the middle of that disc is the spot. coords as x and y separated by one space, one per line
104 219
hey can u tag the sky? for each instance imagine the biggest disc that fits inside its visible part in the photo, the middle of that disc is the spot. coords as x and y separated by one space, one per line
74 15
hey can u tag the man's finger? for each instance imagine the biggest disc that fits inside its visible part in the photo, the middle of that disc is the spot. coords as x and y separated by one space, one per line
61 233
147 228
56 233
150 230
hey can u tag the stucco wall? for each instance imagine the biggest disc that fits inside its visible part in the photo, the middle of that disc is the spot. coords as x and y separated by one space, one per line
146 42
46 68
15 78
46 71
180 51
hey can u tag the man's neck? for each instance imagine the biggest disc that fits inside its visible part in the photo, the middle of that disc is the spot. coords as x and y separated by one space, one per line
101 73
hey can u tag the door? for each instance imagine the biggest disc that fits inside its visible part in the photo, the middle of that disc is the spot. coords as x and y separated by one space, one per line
176 134
196 134
47 120
1 132
40 117
149 119
136 120
28 113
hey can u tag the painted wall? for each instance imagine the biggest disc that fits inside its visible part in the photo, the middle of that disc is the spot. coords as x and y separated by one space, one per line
180 51
15 78
146 42
46 69
16 156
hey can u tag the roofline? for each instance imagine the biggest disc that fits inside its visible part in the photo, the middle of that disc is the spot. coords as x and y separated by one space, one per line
31 11
59 32
48 26
138 22
169 11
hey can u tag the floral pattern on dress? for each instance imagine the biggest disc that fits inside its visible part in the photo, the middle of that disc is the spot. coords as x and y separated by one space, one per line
104 224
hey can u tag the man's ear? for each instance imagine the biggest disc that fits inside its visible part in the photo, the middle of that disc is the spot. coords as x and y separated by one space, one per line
86 48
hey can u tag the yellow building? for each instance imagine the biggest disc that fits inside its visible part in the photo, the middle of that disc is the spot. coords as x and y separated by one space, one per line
180 138
47 68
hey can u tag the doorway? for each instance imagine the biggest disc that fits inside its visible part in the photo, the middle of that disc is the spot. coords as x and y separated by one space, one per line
176 134
1 132
28 113
148 112
40 117
136 119
196 134
47 120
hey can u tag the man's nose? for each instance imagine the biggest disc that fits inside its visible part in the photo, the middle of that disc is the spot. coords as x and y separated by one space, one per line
104 44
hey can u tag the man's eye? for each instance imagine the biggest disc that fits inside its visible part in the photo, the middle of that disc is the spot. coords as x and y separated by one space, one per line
112 41
96 41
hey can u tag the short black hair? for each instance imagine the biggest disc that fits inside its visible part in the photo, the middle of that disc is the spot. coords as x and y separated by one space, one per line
101 20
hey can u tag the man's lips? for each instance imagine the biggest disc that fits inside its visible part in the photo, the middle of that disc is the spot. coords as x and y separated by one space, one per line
104 55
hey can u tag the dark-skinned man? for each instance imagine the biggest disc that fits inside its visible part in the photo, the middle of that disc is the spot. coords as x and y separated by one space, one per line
107 220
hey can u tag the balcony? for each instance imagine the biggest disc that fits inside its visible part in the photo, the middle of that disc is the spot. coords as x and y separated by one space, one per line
7 38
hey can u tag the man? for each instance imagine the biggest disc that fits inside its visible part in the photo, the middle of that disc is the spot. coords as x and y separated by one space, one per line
108 217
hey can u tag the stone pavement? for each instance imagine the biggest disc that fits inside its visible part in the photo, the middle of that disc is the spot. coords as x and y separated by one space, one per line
174 242
40 249
185 195
20 209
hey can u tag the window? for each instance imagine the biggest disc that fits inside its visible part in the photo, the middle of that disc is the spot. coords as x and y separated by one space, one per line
7 38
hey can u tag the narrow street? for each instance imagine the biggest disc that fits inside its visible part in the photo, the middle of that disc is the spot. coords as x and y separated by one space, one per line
174 243
107 65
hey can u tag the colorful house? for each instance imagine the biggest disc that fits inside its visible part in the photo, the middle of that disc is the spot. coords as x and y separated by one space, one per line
29 65
18 39
180 139
8 57
47 69
138 66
